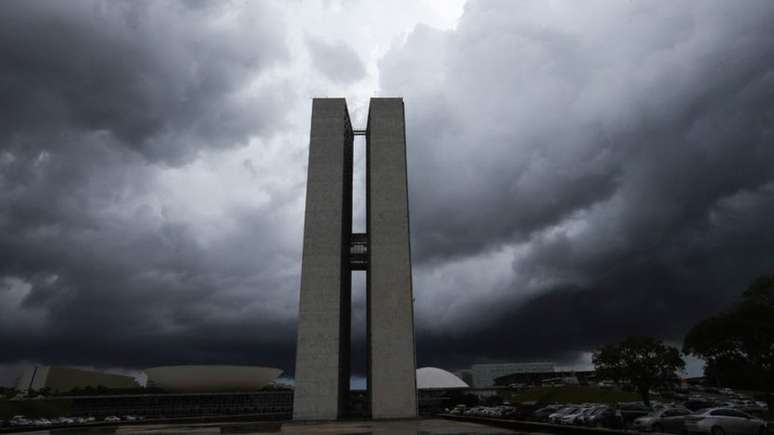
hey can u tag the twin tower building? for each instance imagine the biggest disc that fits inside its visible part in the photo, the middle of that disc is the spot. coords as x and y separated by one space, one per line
332 251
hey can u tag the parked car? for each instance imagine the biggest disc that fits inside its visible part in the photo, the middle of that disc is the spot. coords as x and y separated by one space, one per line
508 411
556 416
111 419
543 413
20 420
663 420
569 418
761 412
606 417
581 420
458 410
724 421
697 404
632 410
589 419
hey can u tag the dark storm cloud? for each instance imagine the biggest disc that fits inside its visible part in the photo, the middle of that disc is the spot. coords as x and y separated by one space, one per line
336 60
578 173
96 268
129 276
617 154
163 79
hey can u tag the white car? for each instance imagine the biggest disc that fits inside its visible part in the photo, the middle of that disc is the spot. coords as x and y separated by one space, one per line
111 419
724 421
19 420
663 420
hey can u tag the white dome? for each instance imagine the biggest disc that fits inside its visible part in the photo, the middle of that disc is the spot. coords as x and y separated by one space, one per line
429 378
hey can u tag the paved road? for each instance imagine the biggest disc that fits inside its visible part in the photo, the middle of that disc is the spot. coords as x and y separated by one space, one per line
395 427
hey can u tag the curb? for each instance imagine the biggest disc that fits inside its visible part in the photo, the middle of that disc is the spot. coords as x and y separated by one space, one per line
531 426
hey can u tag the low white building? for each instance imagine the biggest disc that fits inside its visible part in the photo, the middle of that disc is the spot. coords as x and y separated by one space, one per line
485 374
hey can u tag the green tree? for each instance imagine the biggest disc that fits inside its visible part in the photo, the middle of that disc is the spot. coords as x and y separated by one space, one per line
642 361
738 345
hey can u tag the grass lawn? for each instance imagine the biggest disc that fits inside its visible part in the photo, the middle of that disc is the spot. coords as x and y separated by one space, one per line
573 394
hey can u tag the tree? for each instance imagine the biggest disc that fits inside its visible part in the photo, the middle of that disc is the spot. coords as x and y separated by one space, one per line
738 345
642 361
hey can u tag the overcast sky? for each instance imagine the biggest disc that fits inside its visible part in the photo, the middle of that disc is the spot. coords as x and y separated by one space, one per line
579 171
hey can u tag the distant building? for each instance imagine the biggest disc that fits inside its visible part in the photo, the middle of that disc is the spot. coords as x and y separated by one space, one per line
466 375
262 405
65 379
542 378
484 375
211 378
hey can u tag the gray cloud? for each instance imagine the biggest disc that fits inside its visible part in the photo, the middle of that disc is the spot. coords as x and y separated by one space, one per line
577 173
98 265
597 149
337 61
161 79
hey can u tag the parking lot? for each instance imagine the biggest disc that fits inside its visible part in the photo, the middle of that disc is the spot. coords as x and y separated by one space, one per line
708 411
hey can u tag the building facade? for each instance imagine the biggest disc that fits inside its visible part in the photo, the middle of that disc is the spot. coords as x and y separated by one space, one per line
65 379
332 251
484 375
211 378
259 405
542 378
466 375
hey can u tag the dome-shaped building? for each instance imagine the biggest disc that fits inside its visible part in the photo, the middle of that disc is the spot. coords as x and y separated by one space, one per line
432 378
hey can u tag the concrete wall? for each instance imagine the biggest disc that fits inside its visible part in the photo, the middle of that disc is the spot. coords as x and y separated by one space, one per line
392 363
322 361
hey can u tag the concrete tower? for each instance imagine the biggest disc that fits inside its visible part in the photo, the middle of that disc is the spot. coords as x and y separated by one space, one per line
332 252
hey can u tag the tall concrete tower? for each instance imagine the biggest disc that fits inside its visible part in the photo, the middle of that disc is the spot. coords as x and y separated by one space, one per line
332 252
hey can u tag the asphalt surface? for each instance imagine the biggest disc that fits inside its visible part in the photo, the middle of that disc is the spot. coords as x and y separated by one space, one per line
384 427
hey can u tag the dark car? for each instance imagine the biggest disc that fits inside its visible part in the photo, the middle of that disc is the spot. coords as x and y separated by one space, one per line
557 416
606 417
582 420
543 413
633 411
